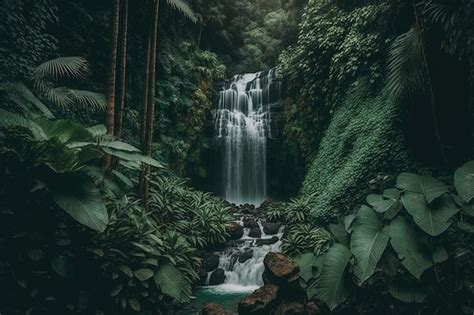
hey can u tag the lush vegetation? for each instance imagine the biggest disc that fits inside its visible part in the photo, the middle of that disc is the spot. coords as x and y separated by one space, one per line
106 139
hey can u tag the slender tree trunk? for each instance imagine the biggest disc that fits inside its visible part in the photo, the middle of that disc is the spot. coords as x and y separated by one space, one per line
110 107
144 115
430 84
150 117
123 71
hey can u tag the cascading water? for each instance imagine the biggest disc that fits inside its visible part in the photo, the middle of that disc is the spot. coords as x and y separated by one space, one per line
243 122
245 119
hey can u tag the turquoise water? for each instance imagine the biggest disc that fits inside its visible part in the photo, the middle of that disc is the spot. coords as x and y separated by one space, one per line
226 295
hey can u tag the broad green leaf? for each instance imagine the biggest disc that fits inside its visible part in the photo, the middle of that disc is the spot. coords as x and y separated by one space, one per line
65 130
368 242
126 270
134 157
430 187
433 219
80 198
466 226
439 254
410 245
392 193
172 283
305 263
334 285
8 120
143 274
464 181
406 291
381 204
348 220
134 304
340 233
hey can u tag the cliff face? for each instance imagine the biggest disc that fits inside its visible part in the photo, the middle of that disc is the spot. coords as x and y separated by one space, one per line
364 138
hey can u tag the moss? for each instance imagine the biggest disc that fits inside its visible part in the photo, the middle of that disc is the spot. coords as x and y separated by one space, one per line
364 137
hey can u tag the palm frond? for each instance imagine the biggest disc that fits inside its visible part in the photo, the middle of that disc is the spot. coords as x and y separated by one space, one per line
184 8
442 14
70 67
23 97
406 73
88 99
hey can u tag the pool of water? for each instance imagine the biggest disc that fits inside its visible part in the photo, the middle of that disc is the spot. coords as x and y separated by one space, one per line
225 294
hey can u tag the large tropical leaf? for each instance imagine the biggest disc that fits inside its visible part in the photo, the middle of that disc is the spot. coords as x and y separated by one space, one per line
23 97
183 7
411 246
368 242
79 197
407 292
334 285
382 204
434 219
464 181
172 283
430 187
133 157
71 67
9 120
65 130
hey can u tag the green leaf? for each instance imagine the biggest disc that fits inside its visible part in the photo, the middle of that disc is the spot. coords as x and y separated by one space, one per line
305 263
464 181
340 233
126 270
439 254
411 246
134 304
143 274
407 292
136 158
80 198
430 187
368 242
381 204
466 226
334 285
433 219
348 220
65 130
172 283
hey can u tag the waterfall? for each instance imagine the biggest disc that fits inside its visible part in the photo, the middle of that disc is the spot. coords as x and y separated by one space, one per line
243 123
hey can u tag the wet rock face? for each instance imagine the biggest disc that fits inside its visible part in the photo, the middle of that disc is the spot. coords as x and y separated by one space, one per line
267 241
261 301
211 262
217 277
245 256
235 230
297 308
271 228
213 309
250 223
255 232
280 269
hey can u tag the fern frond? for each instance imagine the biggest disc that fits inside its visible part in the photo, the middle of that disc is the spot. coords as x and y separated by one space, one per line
184 8
63 67
406 73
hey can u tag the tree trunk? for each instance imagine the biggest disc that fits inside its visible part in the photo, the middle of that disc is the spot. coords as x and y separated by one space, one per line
123 71
434 115
110 106
150 115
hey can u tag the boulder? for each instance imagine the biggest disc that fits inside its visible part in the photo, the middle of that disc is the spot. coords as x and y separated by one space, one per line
202 277
211 262
290 308
279 269
255 232
235 230
213 309
245 256
271 228
260 302
217 277
267 241
250 223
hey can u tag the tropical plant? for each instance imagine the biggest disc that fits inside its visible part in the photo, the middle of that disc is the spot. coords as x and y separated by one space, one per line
397 242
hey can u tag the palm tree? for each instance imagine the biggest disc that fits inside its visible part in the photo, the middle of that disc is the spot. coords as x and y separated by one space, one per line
122 70
110 108
148 111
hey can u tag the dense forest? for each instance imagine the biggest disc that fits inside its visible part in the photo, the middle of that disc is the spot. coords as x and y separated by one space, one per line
236 157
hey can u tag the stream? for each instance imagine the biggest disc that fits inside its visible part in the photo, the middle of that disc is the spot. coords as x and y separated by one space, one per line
243 123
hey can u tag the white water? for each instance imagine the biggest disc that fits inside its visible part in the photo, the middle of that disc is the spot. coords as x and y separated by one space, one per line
246 276
243 122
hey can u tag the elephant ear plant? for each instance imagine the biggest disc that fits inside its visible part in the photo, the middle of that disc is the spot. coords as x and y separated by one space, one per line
397 244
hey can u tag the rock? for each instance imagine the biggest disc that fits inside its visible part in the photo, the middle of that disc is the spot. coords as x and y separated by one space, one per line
313 309
271 228
279 269
213 309
202 277
290 308
211 262
217 277
267 241
250 223
235 230
255 232
245 256
260 301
